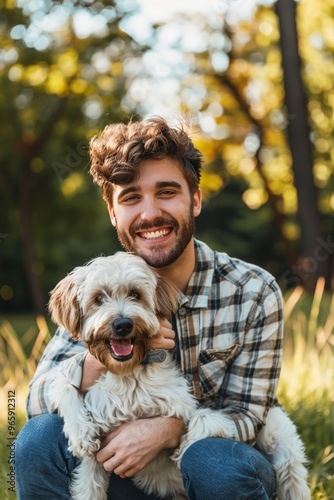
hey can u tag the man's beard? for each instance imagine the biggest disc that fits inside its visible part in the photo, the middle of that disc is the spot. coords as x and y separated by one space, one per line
156 256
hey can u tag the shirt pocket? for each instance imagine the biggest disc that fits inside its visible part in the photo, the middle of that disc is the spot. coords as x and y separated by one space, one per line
212 367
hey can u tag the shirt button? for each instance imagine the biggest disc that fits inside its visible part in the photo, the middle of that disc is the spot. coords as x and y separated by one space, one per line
182 311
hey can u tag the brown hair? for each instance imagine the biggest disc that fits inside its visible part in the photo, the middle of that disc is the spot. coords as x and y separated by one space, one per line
118 150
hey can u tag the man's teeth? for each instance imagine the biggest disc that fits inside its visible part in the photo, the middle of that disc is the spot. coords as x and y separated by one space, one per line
155 234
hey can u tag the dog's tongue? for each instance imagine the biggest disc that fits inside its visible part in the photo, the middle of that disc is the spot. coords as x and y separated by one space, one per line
121 347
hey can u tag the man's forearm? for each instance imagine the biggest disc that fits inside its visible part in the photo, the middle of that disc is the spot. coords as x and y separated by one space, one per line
174 429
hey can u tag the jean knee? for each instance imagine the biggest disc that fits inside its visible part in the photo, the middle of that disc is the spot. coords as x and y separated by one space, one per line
41 439
36 433
218 467
199 455
43 462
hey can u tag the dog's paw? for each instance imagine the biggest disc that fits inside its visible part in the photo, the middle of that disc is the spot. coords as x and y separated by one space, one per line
267 442
85 448
205 423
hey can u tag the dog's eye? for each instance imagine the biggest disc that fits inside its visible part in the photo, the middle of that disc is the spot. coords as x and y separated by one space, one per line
99 299
135 295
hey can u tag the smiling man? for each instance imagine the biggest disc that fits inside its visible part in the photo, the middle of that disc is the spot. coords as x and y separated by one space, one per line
228 333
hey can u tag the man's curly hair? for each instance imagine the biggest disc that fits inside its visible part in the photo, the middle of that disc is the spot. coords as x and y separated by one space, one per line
117 152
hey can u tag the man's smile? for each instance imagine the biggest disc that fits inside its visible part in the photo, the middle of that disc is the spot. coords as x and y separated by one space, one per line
154 234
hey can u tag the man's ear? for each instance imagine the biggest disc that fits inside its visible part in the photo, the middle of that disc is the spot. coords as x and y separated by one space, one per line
111 214
197 200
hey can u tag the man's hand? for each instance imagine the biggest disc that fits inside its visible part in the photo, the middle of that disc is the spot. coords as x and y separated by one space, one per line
133 445
91 371
165 337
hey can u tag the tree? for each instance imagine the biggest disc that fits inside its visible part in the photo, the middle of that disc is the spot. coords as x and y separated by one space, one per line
301 147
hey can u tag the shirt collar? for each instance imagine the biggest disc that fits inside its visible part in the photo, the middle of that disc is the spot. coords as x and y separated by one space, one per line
200 283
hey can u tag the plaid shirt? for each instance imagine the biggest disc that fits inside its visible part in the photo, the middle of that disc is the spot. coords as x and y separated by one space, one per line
230 331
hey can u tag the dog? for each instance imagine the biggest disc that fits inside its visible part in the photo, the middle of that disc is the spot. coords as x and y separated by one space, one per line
113 304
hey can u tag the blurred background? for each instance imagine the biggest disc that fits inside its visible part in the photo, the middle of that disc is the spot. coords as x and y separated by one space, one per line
255 81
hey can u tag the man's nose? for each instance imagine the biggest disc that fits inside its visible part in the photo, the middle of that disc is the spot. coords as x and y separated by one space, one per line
151 210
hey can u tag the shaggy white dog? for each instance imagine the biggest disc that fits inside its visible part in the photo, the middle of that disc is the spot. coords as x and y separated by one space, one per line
113 305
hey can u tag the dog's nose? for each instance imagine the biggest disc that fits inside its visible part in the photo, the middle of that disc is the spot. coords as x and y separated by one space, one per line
122 326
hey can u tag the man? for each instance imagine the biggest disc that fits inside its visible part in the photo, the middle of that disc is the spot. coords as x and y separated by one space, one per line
228 332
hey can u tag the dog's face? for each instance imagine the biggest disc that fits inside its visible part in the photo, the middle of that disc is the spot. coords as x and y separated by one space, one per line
113 304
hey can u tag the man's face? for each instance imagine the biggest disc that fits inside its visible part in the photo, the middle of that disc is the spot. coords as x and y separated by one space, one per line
154 215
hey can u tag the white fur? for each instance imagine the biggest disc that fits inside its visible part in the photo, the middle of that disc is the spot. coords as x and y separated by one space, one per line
203 424
143 391
280 441
156 389
153 390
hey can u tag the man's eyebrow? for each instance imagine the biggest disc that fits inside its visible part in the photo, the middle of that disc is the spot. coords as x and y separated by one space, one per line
165 184
127 190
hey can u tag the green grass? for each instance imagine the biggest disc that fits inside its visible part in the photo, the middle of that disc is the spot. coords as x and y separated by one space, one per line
20 351
307 381
306 387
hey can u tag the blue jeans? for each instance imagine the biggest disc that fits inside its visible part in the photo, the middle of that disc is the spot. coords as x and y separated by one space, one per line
212 469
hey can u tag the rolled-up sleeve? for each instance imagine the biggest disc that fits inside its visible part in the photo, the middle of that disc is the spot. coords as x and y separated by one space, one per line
61 354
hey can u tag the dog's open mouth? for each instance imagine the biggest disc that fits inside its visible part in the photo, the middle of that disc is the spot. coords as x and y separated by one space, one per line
120 349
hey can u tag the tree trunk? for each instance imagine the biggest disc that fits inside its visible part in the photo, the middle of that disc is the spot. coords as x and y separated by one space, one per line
312 263
29 152
28 253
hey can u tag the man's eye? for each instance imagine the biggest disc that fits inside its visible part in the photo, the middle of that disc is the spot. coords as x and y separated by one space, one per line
166 192
131 198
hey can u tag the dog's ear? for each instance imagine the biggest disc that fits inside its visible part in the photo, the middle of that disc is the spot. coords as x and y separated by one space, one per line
166 298
65 308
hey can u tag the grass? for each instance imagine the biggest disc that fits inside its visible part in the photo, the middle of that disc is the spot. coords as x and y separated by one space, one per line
306 387
307 381
20 351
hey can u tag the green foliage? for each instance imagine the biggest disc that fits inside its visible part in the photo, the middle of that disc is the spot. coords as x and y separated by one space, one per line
253 238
